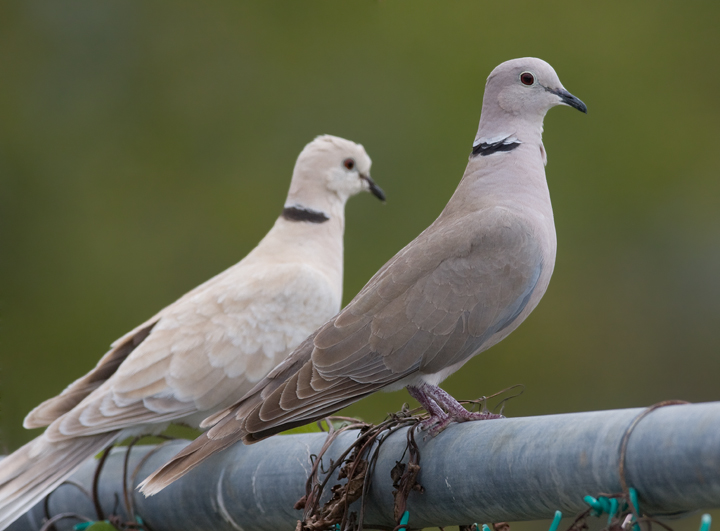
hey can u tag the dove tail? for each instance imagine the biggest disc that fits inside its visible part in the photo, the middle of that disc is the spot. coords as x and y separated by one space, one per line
187 459
36 469
228 431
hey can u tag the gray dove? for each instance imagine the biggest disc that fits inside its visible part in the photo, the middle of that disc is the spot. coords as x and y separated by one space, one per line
462 285
208 349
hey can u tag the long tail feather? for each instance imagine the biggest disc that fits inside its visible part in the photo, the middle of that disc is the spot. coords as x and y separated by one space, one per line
36 469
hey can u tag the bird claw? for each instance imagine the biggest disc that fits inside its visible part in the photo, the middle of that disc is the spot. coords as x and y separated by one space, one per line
444 409
439 427
435 424
479 415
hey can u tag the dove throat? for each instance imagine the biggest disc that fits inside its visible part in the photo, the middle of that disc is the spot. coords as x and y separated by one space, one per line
312 236
497 125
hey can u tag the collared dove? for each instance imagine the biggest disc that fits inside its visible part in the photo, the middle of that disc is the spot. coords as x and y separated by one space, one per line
461 286
206 350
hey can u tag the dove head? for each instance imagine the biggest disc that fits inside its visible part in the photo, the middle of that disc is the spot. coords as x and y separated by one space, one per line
328 172
519 92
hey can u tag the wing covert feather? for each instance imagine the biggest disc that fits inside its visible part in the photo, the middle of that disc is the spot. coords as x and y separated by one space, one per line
205 351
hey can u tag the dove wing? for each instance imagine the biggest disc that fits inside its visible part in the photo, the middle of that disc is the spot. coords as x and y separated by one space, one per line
205 351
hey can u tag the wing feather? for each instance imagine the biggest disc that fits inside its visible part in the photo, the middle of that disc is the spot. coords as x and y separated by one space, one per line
206 351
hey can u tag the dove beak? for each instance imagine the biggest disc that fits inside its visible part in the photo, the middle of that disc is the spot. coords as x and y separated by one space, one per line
568 99
374 188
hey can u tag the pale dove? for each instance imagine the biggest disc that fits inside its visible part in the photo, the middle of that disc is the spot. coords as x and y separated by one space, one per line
460 287
209 348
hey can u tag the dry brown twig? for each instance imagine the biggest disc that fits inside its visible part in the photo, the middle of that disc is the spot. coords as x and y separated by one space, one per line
356 464
353 466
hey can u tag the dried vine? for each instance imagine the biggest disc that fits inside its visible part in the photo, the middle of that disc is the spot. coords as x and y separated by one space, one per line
356 464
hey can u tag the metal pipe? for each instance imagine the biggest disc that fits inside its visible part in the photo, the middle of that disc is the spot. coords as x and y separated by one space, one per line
489 471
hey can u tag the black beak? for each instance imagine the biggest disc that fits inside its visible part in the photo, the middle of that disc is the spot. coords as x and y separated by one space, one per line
569 99
374 188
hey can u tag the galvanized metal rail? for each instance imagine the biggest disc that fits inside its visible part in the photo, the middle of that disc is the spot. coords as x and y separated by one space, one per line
489 471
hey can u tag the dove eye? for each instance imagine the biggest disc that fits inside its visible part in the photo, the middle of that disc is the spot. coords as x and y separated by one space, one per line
526 78
349 164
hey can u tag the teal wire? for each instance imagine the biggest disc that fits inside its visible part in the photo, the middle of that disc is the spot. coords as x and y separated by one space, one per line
556 521
613 510
635 506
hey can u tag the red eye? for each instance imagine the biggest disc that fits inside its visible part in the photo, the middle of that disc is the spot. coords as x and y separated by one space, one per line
527 78
349 164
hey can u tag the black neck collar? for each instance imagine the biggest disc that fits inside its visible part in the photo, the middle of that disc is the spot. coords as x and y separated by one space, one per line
298 213
488 148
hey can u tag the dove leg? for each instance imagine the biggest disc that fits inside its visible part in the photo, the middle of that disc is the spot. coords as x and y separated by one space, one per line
438 419
454 408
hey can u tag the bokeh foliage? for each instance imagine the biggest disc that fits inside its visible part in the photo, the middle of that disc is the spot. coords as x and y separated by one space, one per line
145 146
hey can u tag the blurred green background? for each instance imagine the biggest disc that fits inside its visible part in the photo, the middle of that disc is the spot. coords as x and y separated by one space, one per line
146 146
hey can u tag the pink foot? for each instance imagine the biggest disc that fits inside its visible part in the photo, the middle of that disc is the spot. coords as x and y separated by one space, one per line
437 402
